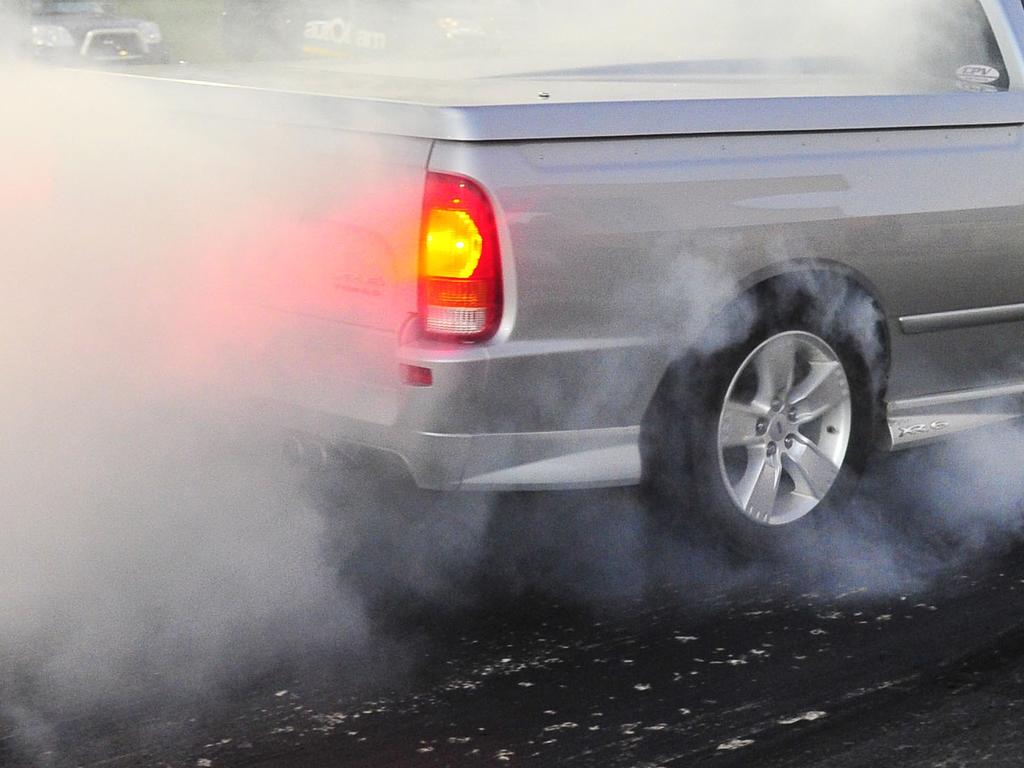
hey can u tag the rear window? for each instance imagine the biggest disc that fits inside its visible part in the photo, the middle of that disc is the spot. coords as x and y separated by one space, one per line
972 55
891 45
777 46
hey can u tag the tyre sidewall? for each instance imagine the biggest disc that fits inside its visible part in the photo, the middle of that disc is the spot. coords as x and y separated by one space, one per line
682 471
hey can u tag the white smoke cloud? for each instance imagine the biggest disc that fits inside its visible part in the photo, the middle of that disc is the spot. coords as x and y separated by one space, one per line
153 540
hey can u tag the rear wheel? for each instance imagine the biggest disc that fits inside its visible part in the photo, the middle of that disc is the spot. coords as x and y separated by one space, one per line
766 437
784 428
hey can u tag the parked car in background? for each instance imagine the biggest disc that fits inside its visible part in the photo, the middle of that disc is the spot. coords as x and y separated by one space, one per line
82 31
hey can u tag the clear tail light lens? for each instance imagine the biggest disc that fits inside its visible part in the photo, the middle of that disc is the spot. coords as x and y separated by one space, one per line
460 294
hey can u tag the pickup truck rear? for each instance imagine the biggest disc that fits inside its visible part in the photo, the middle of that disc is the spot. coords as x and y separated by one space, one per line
728 278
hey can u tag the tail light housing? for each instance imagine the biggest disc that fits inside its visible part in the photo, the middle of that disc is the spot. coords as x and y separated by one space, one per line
460 292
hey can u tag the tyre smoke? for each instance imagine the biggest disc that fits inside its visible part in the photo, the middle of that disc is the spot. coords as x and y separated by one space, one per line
157 544
154 541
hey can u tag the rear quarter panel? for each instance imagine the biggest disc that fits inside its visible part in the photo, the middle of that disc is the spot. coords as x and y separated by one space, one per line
634 247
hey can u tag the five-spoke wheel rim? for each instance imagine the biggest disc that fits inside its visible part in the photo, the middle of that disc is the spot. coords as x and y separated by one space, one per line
784 428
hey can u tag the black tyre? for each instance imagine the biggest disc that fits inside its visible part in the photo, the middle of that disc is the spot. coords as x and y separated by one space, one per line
764 438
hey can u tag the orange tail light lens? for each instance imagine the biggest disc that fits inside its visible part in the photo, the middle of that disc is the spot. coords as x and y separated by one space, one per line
460 293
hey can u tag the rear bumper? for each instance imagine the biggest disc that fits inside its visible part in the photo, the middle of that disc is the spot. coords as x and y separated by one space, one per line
505 417
525 461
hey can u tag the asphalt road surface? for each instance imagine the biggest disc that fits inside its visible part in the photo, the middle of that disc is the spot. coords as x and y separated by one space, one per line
766 674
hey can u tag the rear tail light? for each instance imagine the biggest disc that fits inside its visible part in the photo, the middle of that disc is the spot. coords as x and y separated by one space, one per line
460 264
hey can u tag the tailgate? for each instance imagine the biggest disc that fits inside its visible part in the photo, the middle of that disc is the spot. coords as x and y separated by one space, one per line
263 253
318 266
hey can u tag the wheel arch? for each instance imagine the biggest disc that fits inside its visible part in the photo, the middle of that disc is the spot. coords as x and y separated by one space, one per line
763 287
763 284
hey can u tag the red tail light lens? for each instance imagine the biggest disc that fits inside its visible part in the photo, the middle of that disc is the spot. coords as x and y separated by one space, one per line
460 263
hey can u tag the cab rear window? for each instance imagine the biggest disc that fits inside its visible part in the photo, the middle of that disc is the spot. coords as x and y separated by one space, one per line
890 46
972 56
810 46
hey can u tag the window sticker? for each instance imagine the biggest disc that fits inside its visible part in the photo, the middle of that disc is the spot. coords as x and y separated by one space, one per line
980 74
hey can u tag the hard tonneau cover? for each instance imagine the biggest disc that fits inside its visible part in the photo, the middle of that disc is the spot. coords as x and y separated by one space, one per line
515 110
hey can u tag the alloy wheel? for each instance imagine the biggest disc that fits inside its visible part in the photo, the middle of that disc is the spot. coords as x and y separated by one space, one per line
784 428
